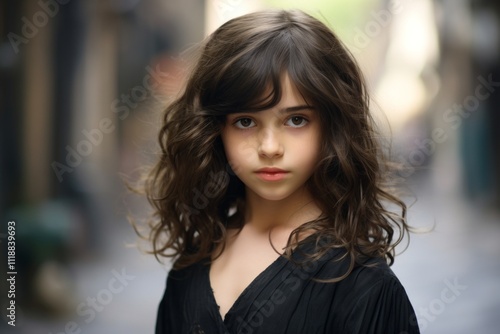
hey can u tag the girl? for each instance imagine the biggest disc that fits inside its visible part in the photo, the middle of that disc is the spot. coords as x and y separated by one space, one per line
270 187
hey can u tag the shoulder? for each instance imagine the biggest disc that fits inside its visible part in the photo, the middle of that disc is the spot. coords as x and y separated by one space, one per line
375 282
370 299
190 272
366 278
372 273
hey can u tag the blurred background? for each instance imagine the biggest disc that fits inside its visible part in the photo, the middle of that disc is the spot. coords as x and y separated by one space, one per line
83 83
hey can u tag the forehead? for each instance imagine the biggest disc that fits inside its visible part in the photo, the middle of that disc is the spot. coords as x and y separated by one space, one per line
290 94
290 98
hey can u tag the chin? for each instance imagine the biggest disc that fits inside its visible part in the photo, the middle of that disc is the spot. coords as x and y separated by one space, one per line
273 195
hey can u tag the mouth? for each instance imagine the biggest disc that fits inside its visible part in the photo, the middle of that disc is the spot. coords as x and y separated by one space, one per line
271 174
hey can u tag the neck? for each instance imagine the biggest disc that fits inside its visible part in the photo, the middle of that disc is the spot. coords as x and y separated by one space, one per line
286 214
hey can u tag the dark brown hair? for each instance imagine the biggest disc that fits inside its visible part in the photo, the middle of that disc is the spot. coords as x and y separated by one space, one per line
192 188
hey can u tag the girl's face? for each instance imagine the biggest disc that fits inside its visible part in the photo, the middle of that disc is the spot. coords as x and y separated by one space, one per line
274 151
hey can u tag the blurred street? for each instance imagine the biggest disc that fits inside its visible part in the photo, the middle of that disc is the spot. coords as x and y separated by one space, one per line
451 273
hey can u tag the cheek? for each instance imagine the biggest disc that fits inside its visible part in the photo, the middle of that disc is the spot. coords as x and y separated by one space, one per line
308 148
236 149
237 144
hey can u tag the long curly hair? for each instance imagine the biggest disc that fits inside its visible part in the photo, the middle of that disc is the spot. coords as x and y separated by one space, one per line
193 189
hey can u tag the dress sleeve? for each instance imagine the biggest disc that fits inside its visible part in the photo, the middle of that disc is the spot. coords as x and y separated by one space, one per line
384 307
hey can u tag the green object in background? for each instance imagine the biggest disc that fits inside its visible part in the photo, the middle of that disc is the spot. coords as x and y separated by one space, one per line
45 231
341 16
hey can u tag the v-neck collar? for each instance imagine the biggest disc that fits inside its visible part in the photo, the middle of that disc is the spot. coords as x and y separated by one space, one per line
255 287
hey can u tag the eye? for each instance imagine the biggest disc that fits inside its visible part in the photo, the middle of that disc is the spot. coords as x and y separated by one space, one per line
296 121
244 123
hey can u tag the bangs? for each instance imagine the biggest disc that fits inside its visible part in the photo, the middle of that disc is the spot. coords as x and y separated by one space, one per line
251 81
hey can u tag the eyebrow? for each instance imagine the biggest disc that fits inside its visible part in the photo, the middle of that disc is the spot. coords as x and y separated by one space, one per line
295 108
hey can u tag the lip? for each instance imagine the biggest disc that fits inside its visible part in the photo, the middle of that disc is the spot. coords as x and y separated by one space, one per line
271 174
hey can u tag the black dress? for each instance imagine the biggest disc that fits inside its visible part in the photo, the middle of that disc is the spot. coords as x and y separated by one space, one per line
285 299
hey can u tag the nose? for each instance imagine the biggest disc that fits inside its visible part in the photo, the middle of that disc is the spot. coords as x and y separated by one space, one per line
270 145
